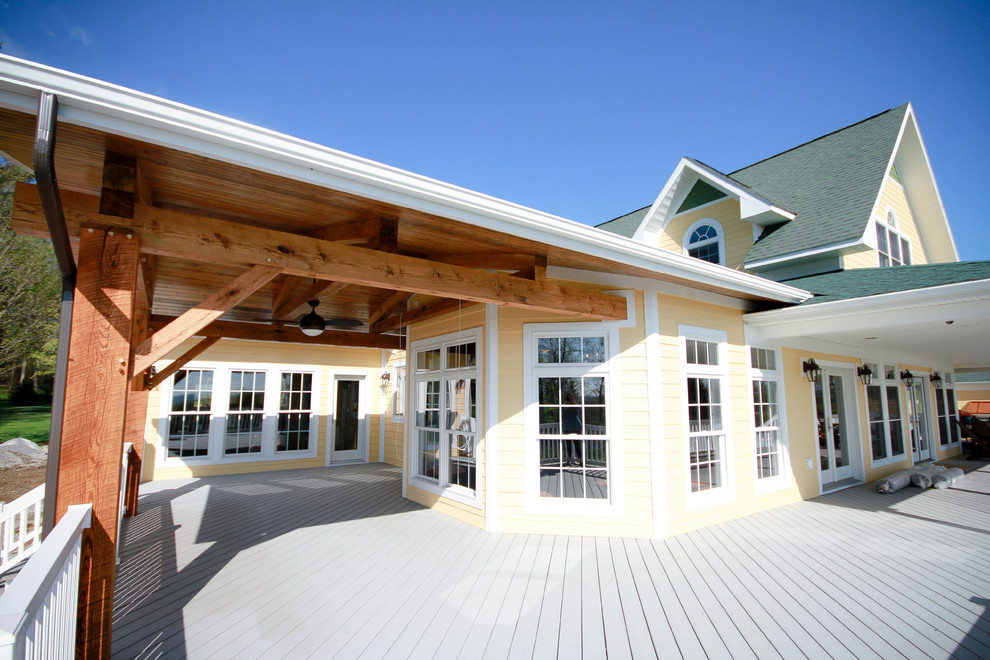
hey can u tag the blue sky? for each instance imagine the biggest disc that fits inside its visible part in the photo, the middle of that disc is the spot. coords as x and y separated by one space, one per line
581 109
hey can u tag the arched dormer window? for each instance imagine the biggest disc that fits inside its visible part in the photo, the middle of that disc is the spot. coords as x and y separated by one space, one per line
892 248
705 240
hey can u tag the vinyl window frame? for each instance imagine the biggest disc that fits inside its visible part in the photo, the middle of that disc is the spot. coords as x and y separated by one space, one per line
880 380
220 409
613 505
775 375
726 492
719 240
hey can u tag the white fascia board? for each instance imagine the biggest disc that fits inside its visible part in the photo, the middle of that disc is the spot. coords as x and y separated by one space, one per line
841 314
835 247
117 110
751 205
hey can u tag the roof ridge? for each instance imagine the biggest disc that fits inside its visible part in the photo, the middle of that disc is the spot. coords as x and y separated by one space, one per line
820 137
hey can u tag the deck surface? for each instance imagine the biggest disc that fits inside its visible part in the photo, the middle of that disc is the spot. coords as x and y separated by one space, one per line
334 563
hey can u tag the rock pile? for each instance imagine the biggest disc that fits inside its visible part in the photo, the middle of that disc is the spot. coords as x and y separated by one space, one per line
21 452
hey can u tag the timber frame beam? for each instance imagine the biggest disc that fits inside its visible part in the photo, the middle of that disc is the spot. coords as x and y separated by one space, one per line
287 333
187 236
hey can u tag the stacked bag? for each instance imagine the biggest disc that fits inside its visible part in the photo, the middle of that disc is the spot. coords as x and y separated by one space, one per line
922 476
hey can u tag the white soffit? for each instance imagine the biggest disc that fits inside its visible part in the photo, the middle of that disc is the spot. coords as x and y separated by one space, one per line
121 111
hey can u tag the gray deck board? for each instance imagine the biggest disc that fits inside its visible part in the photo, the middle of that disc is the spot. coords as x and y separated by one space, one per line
334 563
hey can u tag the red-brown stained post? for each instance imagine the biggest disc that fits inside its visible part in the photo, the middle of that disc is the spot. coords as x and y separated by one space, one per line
93 428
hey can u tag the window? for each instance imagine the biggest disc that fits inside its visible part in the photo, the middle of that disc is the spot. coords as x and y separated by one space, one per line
703 240
219 412
892 248
295 410
189 418
573 434
769 450
705 375
245 413
945 402
445 428
883 404
399 393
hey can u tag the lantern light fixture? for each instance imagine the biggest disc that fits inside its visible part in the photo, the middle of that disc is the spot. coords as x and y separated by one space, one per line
811 370
936 379
907 376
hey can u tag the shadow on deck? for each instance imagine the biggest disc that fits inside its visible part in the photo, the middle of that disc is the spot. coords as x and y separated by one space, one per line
334 563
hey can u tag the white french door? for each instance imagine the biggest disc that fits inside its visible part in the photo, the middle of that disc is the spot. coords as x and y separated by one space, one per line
835 418
917 415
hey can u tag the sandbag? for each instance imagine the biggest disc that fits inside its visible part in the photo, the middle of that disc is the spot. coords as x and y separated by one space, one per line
923 477
894 482
947 478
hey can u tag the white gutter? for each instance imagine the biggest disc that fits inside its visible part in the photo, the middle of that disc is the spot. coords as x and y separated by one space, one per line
118 110
914 299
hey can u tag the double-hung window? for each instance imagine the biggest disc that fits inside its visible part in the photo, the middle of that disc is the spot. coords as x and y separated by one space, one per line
892 248
446 407
771 458
705 368
883 404
945 403
219 412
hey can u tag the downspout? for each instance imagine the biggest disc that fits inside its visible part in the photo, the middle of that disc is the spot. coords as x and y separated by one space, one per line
51 202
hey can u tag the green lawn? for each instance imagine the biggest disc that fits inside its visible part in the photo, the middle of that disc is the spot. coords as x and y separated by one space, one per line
31 422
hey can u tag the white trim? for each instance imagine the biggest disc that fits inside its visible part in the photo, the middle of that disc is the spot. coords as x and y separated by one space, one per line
776 375
654 393
117 110
880 380
832 247
399 370
699 207
219 409
382 403
490 440
534 504
727 491
364 427
719 239
911 300
446 490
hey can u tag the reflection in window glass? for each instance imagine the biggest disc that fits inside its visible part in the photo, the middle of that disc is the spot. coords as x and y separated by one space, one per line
189 419
295 409
245 413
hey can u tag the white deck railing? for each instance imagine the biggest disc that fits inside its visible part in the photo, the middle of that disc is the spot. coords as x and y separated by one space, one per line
20 527
38 609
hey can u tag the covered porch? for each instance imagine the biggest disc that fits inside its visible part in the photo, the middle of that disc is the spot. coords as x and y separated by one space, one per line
333 562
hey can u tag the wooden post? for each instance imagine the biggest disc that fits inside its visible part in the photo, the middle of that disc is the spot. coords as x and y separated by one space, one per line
93 428
137 404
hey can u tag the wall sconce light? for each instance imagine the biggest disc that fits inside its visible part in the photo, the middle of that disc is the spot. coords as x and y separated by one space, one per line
811 370
312 324
386 379
936 380
865 374
907 376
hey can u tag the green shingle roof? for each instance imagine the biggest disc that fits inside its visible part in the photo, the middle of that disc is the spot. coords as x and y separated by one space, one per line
862 282
831 183
625 225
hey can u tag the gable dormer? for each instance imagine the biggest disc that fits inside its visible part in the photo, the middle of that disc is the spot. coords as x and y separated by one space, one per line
704 213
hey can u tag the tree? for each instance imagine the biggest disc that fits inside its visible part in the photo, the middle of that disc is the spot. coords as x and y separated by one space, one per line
30 287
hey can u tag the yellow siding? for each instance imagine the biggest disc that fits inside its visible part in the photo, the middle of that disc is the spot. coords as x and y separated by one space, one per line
395 432
675 311
470 316
738 232
328 360
891 196
637 520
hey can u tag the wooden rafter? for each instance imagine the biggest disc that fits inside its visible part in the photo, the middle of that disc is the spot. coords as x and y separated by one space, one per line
394 301
493 261
187 236
183 327
292 307
288 334
119 185
181 361
420 314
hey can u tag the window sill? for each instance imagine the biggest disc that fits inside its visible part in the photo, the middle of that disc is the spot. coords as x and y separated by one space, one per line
771 484
547 506
892 460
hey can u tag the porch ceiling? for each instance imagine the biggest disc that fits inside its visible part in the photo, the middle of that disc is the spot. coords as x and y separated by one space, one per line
172 186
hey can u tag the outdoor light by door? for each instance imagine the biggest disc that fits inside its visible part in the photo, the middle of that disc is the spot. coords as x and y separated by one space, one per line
811 370
312 324
865 374
386 379
936 381
907 376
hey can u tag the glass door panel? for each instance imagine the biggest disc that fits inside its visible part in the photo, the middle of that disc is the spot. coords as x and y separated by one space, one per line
347 423
918 421
834 452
